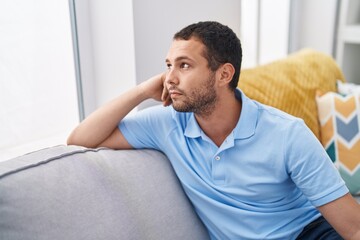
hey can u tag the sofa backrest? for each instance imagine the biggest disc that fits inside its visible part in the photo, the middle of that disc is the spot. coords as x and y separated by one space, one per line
291 83
69 192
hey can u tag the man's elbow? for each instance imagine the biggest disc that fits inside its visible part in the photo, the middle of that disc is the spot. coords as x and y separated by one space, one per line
73 139
70 141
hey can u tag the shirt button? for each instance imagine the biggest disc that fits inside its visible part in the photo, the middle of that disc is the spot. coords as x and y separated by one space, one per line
217 158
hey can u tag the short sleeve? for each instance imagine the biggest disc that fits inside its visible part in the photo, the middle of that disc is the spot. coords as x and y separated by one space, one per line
146 128
310 167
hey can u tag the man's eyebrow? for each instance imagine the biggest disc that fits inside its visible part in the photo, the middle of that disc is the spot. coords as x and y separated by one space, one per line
179 59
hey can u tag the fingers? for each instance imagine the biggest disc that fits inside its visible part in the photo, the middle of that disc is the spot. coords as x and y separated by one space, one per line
167 102
165 97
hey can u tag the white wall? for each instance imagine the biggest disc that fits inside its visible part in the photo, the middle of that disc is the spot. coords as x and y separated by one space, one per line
264 30
156 21
313 25
274 30
122 43
271 30
107 54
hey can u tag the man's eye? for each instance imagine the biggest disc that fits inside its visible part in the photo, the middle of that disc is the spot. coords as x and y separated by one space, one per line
168 66
185 65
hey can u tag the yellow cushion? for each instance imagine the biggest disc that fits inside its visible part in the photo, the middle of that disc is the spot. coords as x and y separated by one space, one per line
290 84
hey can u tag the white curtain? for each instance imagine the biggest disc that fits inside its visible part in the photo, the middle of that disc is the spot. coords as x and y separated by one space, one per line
38 102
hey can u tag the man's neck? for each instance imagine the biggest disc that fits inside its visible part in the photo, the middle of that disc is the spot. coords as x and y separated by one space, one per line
222 121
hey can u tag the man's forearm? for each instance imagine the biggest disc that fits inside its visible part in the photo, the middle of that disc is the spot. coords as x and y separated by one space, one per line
99 125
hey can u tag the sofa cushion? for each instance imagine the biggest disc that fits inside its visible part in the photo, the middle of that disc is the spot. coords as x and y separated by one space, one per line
69 192
290 84
339 118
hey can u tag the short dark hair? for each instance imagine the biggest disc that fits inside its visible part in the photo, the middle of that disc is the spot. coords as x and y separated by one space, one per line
221 44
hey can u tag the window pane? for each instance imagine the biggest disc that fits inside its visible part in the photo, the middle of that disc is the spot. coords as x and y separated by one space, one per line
38 103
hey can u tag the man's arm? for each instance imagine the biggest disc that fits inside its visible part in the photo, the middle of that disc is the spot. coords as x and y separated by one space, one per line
344 216
100 128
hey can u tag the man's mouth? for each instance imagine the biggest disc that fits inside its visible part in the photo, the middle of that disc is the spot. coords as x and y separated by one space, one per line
174 93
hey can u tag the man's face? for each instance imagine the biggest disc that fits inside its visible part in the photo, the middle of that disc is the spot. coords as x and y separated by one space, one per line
190 82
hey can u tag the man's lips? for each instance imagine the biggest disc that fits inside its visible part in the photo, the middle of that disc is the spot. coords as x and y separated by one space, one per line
174 93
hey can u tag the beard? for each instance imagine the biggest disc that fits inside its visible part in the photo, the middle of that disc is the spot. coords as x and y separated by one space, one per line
200 101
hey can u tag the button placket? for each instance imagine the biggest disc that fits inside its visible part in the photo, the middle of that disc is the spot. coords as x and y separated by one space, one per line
217 170
218 164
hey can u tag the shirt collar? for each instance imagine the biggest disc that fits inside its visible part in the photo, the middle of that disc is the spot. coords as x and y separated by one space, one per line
245 127
192 129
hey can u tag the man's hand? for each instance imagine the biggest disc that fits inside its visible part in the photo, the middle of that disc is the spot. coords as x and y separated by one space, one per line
155 88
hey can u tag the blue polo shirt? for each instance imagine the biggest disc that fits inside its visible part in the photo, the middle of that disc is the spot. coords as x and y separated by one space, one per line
263 182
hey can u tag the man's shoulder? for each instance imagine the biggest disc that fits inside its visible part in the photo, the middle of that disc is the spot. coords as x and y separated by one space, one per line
153 112
278 120
273 112
264 110
161 111
164 116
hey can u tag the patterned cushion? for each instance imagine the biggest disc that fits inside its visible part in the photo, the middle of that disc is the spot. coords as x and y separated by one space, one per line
290 84
339 117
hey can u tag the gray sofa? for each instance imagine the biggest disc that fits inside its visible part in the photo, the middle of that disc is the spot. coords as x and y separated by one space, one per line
70 192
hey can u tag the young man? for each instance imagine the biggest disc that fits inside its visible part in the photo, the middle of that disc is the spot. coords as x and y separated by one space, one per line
251 171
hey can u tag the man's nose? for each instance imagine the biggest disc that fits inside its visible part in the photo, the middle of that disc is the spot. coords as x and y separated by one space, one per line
172 77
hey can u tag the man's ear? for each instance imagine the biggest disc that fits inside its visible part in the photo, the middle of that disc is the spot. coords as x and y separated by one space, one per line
225 74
